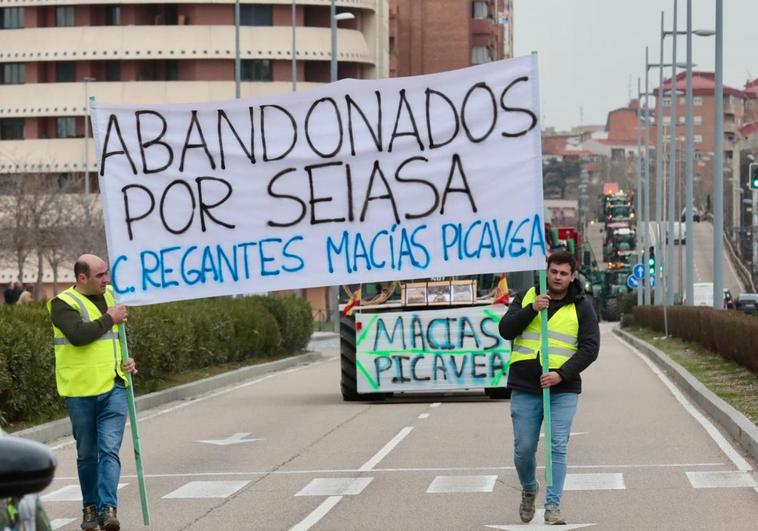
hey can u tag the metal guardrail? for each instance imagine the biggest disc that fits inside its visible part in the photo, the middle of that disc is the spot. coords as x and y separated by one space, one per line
742 272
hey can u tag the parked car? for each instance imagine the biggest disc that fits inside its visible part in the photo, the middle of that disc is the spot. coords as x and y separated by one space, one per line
747 302
26 467
695 215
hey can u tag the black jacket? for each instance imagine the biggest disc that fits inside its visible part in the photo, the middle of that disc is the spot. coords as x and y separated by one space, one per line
525 375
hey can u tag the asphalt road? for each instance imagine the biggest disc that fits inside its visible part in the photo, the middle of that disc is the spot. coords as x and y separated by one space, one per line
297 457
701 239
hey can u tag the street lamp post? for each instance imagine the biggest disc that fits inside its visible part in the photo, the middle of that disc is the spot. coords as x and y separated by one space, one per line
659 172
669 272
334 17
86 133
689 177
237 62
638 205
718 170
294 48
646 190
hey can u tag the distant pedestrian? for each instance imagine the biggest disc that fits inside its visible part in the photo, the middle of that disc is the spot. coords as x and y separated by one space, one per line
89 374
12 292
27 296
573 342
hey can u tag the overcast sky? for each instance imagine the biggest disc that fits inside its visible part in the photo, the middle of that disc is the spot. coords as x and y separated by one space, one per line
592 51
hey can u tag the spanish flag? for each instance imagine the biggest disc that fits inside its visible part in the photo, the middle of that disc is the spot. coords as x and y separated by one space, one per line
502 296
354 301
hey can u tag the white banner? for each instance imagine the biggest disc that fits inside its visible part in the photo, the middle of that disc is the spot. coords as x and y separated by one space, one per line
451 348
357 181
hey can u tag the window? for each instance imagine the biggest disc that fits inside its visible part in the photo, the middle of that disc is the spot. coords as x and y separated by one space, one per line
480 54
172 70
64 16
65 71
697 139
666 102
479 10
256 70
11 128
666 120
112 71
256 15
698 155
697 120
697 101
65 127
112 15
11 18
12 74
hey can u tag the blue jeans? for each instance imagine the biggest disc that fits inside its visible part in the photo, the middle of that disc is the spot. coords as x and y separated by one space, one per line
526 413
98 424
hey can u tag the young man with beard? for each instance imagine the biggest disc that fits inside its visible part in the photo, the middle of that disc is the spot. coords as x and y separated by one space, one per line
573 342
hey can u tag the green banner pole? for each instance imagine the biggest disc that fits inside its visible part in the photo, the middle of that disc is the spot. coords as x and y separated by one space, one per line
134 428
546 391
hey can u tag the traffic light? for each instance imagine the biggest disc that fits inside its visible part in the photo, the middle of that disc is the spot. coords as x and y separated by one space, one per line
651 262
753 175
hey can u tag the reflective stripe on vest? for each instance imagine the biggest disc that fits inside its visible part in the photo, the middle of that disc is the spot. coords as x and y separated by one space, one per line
563 335
86 370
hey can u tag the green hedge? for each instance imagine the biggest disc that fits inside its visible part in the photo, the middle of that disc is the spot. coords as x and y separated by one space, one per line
731 334
165 339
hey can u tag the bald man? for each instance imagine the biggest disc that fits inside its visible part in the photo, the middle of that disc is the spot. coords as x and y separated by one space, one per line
90 375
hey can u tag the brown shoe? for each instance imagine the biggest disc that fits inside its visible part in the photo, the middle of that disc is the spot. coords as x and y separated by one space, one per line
526 508
89 518
108 520
553 515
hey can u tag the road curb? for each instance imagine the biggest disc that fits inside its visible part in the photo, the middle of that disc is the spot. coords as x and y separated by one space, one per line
60 428
734 422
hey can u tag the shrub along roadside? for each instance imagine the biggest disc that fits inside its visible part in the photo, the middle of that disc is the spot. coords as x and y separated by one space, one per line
732 335
165 340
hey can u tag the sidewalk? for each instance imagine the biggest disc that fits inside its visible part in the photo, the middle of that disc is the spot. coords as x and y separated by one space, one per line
744 432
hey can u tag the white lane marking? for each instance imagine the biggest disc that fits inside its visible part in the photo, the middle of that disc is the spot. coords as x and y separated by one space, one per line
424 416
317 514
335 487
436 404
594 482
420 469
330 502
192 401
537 524
207 489
60 522
237 438
707 425
718 480
448 484
69 493
381 454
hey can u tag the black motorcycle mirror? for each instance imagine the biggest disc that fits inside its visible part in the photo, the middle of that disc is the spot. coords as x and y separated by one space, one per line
25 466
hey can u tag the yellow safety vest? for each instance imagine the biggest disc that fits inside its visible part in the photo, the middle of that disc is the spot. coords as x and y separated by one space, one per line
87 370
563 335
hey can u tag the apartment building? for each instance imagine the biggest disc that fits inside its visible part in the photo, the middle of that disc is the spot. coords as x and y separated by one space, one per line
54 55
428 36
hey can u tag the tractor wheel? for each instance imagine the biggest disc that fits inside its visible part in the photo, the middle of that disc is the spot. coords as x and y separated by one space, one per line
348 377
612 309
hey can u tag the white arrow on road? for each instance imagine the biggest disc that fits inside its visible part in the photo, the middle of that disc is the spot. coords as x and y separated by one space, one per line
237 438
537 524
